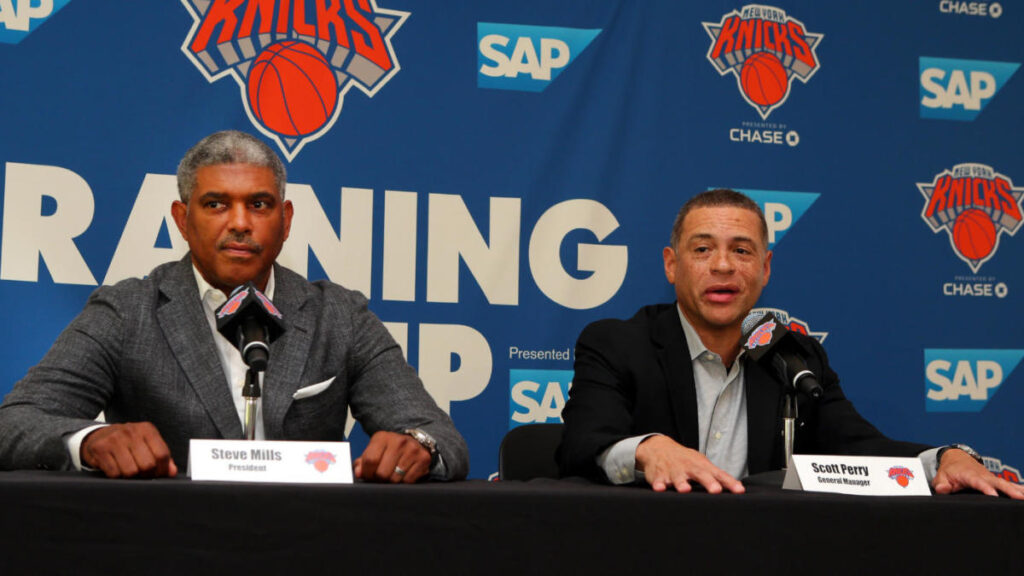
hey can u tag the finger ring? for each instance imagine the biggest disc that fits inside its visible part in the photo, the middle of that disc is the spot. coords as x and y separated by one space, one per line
399 471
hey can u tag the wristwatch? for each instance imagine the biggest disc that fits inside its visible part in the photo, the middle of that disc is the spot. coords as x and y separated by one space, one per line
970 452
425 440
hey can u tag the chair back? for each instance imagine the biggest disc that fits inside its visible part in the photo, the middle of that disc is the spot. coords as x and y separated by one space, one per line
528 451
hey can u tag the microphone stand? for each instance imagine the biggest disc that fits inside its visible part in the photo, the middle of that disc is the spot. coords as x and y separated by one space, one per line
251 393
789 415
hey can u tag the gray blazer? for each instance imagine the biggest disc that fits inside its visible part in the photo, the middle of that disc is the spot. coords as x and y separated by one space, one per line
142 350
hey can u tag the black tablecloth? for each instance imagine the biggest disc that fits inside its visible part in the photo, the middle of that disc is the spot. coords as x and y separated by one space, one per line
72 523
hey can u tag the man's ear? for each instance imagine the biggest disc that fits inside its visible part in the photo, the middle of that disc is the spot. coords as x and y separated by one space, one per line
179 211
669 255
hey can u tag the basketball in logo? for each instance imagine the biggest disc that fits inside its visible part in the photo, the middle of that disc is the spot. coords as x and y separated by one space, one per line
292 89
764 79
974 234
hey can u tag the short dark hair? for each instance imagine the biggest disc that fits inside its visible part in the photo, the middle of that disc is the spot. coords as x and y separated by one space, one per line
228 147
717 197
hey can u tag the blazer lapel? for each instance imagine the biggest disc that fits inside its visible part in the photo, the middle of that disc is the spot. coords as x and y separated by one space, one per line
674 358
183 322
764 421
289 353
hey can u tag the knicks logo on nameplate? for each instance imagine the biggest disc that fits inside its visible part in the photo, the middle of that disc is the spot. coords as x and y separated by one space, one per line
766 49
975 205
294 60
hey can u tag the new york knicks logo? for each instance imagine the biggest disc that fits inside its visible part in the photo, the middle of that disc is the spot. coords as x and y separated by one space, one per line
231 306
765 49
792 323
268 304
762 336
902 475
975 205
321 460
294 60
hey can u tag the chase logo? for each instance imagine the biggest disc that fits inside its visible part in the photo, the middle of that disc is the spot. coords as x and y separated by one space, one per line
537 396
294 62
781 210
975 205
19 18
960 89
965 380
526 58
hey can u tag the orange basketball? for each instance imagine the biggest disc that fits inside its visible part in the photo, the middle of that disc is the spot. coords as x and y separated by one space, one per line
292 89
764 79
974 234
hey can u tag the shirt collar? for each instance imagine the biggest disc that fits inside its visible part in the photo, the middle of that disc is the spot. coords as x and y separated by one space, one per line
214 297
693 341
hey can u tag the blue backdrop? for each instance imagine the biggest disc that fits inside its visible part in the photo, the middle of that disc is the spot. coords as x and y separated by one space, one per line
494 175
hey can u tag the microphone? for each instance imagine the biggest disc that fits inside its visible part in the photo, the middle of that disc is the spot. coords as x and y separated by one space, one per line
767 340
250 321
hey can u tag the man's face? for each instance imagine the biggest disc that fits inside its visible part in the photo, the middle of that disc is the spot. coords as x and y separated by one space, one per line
719 268
235 224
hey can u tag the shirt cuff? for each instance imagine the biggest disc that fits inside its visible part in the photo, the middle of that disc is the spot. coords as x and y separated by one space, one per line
73 442
930 462
619 460
439 471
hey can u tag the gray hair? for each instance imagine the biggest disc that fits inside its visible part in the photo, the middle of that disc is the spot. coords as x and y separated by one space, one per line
717 197
228 147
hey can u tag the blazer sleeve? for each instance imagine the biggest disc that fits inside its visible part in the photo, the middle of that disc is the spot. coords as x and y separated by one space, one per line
65 391
599 411
839 428
386 393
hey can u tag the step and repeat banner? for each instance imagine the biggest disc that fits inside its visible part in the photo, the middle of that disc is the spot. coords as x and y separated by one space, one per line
495 175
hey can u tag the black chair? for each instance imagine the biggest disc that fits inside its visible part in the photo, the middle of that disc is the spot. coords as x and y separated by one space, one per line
528 451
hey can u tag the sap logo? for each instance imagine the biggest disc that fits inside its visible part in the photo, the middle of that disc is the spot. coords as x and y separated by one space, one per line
527 58
19 18
781 210
538 396
965 380
960 89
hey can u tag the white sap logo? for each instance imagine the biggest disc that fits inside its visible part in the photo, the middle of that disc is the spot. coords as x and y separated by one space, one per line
959 89
781 210
528 58
524 60
19 18
965 380
17 14
538 396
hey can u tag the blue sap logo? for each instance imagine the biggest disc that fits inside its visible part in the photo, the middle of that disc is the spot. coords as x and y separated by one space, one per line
781 210
537 396
19 18
965 380
528 58
960 89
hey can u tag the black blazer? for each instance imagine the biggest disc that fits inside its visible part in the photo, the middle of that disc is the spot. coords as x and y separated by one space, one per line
635 377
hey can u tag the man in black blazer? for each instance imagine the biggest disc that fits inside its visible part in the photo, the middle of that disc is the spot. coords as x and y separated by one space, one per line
668 397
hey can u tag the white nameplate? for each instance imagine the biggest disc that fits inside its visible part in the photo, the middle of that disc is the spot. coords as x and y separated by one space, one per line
866 475
270 461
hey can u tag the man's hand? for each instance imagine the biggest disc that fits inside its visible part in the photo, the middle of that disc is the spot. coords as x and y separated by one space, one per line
666 463
958 470
128 450
392 457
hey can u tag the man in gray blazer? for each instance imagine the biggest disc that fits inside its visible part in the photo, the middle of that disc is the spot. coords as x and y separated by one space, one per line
147 353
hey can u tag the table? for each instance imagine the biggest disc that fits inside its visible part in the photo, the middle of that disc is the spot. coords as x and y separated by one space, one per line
75 523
